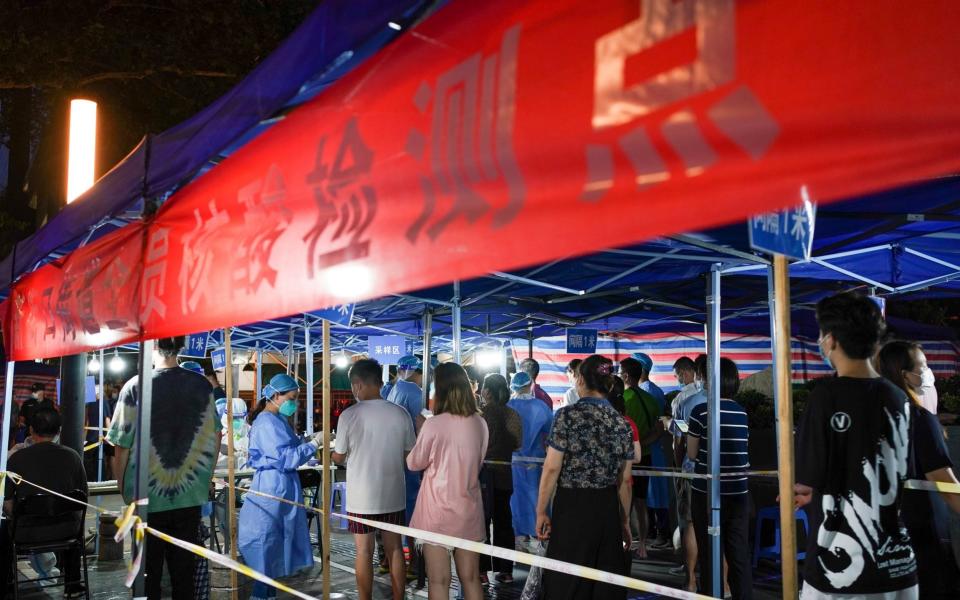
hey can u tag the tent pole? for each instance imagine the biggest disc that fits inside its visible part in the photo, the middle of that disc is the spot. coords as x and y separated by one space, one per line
309 374
713 424
231 463
530 339
783 391
141 487
503 359
7 405
290 370
427 340
258 382
457 327
100 433
325 550
775 371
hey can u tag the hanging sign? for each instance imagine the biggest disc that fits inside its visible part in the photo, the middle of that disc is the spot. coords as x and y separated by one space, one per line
788 232
581 341
195 346
219 359
388 349
342 314
487 132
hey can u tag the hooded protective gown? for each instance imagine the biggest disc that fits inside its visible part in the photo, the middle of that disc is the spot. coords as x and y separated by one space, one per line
536 419
273 536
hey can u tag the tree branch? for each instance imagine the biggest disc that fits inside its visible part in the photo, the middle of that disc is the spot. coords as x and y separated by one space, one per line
115 75
147 73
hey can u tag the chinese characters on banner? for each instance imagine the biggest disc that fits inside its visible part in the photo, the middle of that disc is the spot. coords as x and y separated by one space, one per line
496 129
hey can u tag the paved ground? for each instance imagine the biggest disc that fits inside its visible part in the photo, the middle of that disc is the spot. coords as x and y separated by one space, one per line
106 578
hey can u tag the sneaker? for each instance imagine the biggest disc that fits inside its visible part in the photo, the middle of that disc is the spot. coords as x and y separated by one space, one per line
506 578
678 571
383 569
484 580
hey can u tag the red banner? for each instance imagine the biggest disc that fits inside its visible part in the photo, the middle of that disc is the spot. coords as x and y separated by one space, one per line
500 134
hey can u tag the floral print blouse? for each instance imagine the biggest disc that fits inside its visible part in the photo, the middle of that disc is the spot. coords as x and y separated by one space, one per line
595 441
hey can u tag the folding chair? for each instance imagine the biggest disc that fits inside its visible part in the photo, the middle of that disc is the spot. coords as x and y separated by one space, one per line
46 523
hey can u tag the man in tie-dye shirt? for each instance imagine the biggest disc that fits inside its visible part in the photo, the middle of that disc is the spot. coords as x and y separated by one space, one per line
184 437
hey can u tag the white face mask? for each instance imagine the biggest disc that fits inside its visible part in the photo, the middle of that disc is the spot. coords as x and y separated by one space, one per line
926 379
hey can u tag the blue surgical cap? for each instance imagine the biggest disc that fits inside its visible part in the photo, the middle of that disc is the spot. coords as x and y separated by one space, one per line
279 384
520 380
409 363
194 366
645 360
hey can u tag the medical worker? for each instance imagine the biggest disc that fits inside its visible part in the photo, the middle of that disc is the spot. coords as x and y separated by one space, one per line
240 430
273 536
537 418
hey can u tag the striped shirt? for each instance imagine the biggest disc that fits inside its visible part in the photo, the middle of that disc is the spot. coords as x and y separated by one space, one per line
734 437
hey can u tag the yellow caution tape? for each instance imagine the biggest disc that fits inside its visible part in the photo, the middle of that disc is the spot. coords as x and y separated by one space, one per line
932 486
226 562
681 475
90 447
128 521
511 555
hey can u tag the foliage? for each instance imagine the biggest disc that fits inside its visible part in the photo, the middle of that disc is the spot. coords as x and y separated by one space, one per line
948 392
759 409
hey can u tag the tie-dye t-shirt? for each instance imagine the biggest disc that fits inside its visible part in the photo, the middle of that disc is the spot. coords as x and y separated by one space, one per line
183 432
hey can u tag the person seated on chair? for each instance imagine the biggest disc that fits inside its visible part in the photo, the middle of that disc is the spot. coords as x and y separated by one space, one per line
55 467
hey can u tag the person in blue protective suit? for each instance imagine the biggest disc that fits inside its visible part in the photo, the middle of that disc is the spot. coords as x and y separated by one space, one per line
536 418
273 536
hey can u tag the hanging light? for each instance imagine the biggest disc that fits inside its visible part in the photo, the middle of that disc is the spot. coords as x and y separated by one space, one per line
117 364
82 146
488 358
94 365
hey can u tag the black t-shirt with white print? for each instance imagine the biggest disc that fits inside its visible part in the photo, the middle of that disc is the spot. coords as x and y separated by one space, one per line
852 449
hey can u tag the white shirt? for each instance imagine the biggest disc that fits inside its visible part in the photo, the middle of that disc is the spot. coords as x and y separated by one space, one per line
570 397
688 390
376 436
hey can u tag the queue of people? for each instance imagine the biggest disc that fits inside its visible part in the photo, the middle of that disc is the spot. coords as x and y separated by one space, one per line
492 462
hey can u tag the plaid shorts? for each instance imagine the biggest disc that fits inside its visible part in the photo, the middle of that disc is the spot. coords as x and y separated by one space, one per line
394 518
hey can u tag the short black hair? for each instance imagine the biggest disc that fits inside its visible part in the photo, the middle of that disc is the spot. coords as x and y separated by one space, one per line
854 321
632 368
45 422
38 387
170 347
368 371
574 364
700 366
684 364
729 378
531 367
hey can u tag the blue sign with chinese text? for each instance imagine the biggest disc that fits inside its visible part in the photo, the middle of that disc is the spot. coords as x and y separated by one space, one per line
789 232
196 346
581 341
219 359
341 314
388 349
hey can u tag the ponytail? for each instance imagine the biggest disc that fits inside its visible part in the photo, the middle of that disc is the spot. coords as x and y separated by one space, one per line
261 405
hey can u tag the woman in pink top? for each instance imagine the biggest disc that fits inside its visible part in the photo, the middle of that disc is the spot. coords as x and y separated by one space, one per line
449 451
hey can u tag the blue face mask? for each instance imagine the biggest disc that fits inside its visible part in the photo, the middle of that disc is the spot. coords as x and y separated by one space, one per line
825 356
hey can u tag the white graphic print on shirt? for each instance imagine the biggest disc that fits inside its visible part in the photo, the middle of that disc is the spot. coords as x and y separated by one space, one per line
862 515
